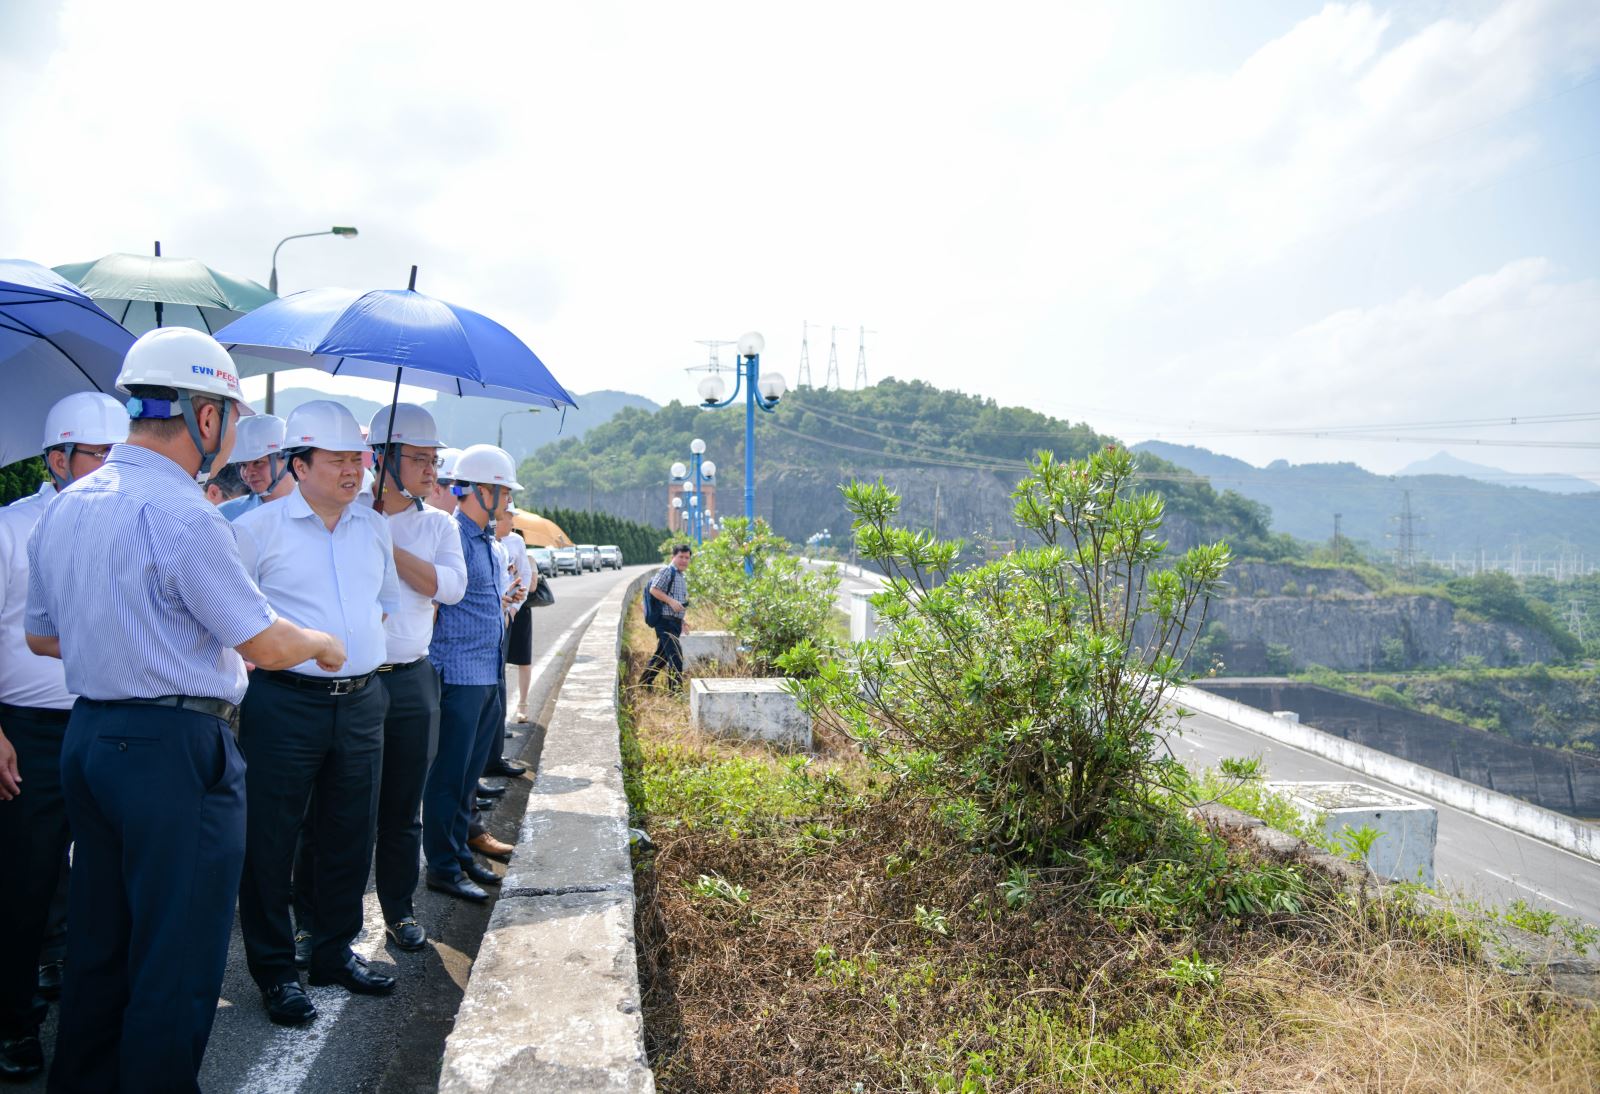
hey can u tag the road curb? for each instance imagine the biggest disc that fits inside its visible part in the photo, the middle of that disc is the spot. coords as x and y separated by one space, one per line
552 1002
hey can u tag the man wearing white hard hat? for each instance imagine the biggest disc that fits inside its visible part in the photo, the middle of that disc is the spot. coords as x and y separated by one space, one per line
467 649
258 454
427 554
34 707
442 494
314 737
135 583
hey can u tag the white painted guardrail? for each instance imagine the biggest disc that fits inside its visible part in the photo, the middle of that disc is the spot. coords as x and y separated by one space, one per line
1514 813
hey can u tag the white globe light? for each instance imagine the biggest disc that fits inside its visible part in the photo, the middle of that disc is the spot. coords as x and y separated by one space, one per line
708 469
677 503
772 385
712 389
695 500
679 470
688 487
751 344
697 446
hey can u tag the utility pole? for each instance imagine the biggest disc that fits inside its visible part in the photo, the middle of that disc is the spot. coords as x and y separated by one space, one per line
832 383
1406 538
936 501
861 358
1576 618
803 374
1516 554
1337 554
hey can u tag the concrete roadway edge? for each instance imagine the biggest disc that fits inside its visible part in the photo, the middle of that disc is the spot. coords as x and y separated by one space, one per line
552 1001
1513 813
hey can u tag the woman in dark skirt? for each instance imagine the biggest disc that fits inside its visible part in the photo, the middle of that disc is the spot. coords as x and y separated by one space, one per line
519 652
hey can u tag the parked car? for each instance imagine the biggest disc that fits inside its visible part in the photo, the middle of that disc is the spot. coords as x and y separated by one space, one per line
567 560
544 559
611 555
589 555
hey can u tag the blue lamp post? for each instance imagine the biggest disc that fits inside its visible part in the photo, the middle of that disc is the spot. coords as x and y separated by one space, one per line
759 391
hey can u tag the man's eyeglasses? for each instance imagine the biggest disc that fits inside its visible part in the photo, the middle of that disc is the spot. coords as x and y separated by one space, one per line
435 462
99 454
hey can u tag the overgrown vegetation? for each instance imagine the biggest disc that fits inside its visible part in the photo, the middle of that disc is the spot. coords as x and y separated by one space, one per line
639 542
1025 695
782 604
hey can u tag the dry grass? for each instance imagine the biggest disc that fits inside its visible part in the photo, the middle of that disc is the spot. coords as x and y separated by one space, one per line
797 941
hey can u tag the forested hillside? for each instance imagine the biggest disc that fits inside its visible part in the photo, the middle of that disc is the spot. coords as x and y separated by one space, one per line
953 457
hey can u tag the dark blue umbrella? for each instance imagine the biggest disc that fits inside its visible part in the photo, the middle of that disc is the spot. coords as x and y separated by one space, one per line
386 332
54 341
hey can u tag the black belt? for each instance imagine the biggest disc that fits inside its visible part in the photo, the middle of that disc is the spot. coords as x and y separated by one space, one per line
328 685
402 666
200 704
47 715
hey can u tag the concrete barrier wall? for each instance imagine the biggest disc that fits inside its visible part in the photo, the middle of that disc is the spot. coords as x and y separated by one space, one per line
552 1003
1519 816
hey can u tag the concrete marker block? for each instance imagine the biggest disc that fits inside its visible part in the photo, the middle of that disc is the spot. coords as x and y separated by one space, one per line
749 710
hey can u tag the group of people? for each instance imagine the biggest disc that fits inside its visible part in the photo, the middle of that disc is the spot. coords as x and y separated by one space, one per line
327 645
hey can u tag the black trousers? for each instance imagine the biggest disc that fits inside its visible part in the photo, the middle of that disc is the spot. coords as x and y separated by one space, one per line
33 842
155 797
669 652
303 744
410 739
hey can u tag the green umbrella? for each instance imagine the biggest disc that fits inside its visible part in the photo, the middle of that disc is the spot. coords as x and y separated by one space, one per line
143 292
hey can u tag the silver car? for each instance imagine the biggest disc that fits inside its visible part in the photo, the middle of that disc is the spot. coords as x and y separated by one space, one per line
589 555
611 555
567 560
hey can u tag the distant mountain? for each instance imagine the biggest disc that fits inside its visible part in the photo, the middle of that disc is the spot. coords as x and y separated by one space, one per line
1442 463
1454 514
478 421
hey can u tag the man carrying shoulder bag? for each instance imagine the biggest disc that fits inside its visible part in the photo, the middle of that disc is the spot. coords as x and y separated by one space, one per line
666 601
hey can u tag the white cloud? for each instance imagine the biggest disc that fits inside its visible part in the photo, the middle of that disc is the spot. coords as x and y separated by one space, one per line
1018 186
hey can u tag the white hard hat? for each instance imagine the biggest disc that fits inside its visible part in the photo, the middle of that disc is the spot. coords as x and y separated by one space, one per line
487 465
412 425
86 417
324 424
447 463
181 358
257 436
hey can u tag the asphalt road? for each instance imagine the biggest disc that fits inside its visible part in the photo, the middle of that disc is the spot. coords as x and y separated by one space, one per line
1474 857
393 1044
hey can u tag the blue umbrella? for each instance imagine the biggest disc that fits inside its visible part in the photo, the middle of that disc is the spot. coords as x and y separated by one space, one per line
54 341
380 334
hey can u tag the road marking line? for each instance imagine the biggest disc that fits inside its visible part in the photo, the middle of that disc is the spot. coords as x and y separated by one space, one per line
288 1054
1529 888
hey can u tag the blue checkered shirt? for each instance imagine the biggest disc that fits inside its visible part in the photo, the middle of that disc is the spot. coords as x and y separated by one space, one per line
466 637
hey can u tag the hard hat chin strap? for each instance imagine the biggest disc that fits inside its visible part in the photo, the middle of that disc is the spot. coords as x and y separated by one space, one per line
488 506
67 450
278 464
190 419
391 470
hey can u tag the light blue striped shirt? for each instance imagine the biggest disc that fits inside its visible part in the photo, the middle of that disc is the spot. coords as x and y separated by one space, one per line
467 634
341 582
139 576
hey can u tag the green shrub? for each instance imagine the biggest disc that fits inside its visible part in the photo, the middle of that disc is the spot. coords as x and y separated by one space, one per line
1017 693
1280 659
18 480
1383 693
782 604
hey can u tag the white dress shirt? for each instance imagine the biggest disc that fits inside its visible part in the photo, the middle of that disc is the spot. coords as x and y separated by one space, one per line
341 582
431 535
517 552
26 679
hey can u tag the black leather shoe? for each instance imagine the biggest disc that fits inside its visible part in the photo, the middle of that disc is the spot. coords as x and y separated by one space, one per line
21 1058
407 934
490 791
288 1004
50 974
302 949
509 768
480 873
355 977
459 886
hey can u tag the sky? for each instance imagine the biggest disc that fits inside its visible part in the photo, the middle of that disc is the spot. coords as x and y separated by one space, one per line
1236 225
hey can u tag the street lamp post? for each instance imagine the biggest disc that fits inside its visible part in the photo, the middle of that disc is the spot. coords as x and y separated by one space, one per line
344 232
704 471
500 430
760 391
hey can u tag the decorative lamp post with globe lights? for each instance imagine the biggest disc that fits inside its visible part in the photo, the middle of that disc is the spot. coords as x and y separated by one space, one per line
759 391
704 471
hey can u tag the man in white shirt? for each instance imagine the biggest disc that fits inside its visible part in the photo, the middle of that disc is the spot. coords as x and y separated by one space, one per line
311 736
258 456
519 569
34 707
427 554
